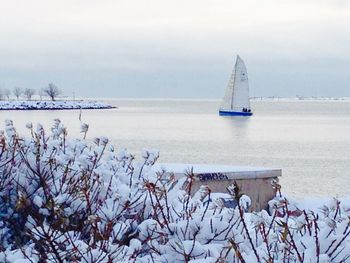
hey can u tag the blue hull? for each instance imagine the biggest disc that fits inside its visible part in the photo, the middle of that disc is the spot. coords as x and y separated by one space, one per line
235 113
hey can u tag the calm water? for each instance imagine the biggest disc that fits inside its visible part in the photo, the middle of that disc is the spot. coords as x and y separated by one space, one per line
310 141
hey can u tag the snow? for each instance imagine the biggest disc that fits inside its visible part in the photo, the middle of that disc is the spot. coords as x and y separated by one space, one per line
38 201
296 99
232 172
53 105
70 200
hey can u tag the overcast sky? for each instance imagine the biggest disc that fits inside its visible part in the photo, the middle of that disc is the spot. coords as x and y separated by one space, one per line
176 48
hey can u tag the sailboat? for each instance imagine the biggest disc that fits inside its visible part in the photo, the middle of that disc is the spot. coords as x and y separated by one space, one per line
236 100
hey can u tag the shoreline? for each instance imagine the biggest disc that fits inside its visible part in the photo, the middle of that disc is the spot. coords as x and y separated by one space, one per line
30 109
54 105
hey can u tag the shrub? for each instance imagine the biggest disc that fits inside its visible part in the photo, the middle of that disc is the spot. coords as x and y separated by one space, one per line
68 200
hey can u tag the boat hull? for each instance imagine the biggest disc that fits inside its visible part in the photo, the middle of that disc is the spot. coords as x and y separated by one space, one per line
234 113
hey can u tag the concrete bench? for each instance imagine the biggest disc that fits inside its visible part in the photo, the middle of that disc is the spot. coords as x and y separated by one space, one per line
252 181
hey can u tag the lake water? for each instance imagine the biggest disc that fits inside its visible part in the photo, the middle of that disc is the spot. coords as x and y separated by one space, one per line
309 140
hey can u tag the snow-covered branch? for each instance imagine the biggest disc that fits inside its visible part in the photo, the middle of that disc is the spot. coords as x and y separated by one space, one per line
70 200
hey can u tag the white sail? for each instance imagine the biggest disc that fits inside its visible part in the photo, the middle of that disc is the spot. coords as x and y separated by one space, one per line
237 93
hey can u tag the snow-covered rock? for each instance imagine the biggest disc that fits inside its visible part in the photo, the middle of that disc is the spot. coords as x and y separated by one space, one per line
53 105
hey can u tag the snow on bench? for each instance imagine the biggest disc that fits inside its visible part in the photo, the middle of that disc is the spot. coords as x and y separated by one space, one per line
252 181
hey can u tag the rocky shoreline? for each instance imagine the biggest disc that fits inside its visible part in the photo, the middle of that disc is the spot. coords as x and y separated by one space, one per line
53 105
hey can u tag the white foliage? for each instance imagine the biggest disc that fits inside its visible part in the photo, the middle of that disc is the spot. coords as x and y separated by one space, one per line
73 201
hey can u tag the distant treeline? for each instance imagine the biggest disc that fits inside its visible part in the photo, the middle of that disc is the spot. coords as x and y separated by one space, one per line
51 90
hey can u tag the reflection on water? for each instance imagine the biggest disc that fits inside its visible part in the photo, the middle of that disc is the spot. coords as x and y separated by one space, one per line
238 126
310 141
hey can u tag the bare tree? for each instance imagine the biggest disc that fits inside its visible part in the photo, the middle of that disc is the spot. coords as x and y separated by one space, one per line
52 91
7 93
17 91
41 93
29 93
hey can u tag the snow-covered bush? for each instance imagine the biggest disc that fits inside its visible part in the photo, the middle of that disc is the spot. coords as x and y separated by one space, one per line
67 200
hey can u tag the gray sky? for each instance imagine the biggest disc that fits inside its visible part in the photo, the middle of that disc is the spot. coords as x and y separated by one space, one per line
176 48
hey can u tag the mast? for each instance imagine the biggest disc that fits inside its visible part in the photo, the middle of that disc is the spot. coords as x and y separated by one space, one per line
234 80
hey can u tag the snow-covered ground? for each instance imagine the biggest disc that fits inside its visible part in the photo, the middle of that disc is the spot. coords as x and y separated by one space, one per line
300 99
53 105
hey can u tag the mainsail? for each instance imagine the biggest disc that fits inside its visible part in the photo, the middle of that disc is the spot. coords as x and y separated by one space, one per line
237 93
